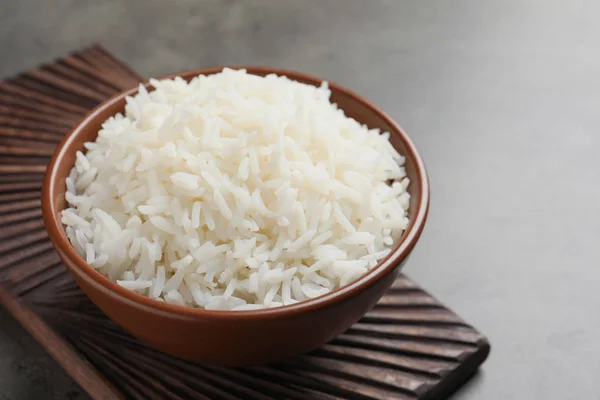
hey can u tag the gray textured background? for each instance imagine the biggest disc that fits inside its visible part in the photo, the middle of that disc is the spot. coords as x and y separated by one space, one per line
501 97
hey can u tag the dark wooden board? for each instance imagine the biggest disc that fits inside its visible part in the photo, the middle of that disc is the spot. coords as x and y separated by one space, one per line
408 347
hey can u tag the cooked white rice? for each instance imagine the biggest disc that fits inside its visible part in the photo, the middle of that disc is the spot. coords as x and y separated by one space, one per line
235 192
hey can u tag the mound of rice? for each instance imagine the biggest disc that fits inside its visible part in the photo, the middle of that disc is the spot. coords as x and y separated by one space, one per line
235 192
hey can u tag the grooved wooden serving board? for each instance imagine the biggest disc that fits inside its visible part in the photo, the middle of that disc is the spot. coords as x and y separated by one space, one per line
408 347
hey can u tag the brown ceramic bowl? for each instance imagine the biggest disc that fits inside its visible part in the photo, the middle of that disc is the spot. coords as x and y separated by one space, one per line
236 337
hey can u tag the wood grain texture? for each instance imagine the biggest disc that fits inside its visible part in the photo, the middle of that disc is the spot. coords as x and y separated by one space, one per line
408 347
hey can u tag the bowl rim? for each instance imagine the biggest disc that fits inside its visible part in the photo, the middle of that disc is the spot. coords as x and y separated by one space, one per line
400 251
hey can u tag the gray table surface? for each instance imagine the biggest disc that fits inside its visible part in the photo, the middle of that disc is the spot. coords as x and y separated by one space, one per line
501 97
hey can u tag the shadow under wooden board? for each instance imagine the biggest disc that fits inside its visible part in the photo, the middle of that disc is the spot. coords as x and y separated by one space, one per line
408 347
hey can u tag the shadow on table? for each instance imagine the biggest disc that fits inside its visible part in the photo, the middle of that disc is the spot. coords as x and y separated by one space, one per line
26 371
469 389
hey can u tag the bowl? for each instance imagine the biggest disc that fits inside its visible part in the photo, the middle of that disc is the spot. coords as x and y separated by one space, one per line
236 338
